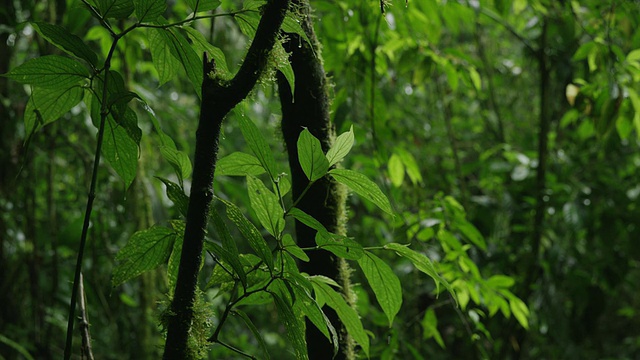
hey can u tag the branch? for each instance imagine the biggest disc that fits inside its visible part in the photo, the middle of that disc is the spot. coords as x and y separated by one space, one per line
218 98
84 322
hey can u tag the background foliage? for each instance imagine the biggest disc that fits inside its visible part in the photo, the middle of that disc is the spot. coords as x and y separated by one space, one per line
447 100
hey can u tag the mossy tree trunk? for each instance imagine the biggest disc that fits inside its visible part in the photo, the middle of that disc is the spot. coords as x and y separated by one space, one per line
309 108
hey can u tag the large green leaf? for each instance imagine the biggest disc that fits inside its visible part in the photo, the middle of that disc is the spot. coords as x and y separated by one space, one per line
421 263
292 248
313 161
179 161
149 10
339 245
176 195
202 45
341 147
228 244
48 105
66 41
182 50
266 206
165 63
362 186
120 151
306 219
51 71
293 324
395 168
384 283
239 164
145 250
249 231
346 313
258 145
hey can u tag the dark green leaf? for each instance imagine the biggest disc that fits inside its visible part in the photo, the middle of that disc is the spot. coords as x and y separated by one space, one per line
313 161
362 186
178 160
294 325
51 71
249 231
149 10
174 260
202 45
430 327
176 194
117 9
224 255
203 5
120 151
182 50
266 206
346 313
254 331
164 62
306 219
293 249
239 164
339 245
145 250
292 24
258 145
384 283
66 41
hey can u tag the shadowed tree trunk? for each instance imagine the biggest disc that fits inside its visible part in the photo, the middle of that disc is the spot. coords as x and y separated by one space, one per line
325 200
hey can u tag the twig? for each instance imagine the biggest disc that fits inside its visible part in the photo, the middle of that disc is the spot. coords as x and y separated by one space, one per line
84 322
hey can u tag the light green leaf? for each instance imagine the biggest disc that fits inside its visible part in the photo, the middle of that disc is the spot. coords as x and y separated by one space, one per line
306 219
249 231
149 10
165 63
292 24
470 232
635 101
51 71
258 145
120 151
313 161
287 70
475 78
145 250
421 263
293 249
266 206
362 186
202 45
520 311
48 105
66 41
179 161
239 164
346 313
384 283
176 194
339 245
430 327
500 281
411 166
395 168
341 147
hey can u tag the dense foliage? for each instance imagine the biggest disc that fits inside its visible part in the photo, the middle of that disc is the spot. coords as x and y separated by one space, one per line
490 149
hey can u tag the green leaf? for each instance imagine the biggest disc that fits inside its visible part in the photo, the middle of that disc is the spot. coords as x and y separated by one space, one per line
202 45
476 80
254 330
520 311
48 105
287 70
306 304
346 313
117 9
293 249
500 281
182 50
384 283
164 62
313 161
292 24
176 194
395 168
149 10
635 101
421 263
362 186
226 256
249 231
174 259
203 5
341 147
266 206
258 145
239 164
306 219
15 346
339 245
64 40
410 165
145 250
120 151
179 161
248 22
470 232
294 326
51 71
430 327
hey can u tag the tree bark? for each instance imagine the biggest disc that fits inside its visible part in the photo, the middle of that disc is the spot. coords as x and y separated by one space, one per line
309 108
218 98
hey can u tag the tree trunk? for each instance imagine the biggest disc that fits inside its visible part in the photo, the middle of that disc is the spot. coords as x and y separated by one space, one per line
325 200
